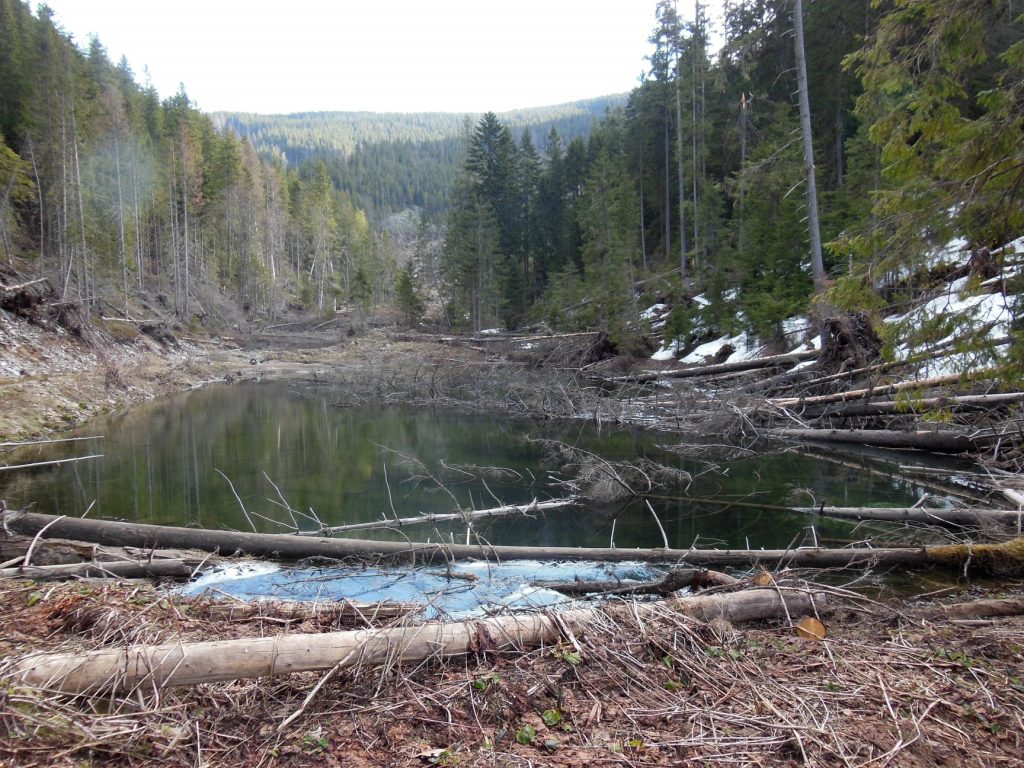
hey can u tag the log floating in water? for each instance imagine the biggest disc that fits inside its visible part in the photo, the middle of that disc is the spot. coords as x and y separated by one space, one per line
180 664
1007 557
401 522
961 516
925 440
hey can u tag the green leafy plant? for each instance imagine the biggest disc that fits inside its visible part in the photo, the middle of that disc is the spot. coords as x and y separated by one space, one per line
551 717
526 734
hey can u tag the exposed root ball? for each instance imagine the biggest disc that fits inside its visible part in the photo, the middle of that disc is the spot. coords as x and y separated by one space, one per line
850 343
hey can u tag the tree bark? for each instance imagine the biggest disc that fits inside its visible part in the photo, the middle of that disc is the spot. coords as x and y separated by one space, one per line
772 361
673 581
975 609
942 442
957 517
899 407
181 664
1003 558
174 569
813 227
468 515
884 389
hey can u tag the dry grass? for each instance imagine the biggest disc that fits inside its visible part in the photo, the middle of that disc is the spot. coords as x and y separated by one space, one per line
881 690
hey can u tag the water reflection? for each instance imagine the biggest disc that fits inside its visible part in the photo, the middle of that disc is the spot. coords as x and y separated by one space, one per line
282 446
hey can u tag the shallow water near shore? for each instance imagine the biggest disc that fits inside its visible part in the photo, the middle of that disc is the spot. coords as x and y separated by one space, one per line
288 454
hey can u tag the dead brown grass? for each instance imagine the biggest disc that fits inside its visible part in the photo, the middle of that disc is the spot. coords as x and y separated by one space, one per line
881 690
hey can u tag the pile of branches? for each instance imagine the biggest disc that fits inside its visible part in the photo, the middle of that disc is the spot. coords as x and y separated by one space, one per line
37 302
876 685
844 393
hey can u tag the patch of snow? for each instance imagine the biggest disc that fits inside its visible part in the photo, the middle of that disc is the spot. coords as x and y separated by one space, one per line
953 252
526 345
667 352
746 348
732 294
653 312
490 331
702 300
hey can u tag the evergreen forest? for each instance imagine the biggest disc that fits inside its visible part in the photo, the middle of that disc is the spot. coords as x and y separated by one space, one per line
702 183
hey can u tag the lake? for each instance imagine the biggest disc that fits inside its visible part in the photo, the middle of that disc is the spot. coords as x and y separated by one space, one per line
199 458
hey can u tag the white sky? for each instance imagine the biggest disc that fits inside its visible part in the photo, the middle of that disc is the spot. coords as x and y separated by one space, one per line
375 55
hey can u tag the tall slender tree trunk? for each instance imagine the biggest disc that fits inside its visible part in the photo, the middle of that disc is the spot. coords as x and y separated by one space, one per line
668 191
40 200
694 137
86 291
67 257
643 225
814 228
681 175
136 215
744 124
184 206
122 249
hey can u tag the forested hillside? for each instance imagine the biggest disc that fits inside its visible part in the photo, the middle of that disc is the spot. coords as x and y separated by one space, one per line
116 196
695 190
391 162
698 187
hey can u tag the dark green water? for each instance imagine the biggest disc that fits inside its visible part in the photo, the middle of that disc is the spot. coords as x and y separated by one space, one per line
160 464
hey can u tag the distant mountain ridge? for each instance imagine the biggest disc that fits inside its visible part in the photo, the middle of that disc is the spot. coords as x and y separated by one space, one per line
390 161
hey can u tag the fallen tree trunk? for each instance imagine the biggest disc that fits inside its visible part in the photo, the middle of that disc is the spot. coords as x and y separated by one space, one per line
179 664
958 516
346 611
897 407
975 609
401 522
673 581
774 361
884 389
1004 558
942 442
174 569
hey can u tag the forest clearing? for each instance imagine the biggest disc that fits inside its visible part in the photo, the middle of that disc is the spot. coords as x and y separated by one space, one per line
920 676
680 425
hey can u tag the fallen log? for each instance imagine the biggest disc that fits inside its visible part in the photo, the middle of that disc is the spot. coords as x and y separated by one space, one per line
347 611
956 516
181 664
477 514
883 389
896 407
174 569
773 361
974 609
1003 558
673 581
924 440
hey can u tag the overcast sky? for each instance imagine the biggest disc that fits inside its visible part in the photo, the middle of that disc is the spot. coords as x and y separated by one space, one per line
376 55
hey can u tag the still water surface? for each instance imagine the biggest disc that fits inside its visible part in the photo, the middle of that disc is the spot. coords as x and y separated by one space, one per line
170 461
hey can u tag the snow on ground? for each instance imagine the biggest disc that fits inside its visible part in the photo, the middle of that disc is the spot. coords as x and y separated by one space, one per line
653 312
667 352
969 314
746 348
